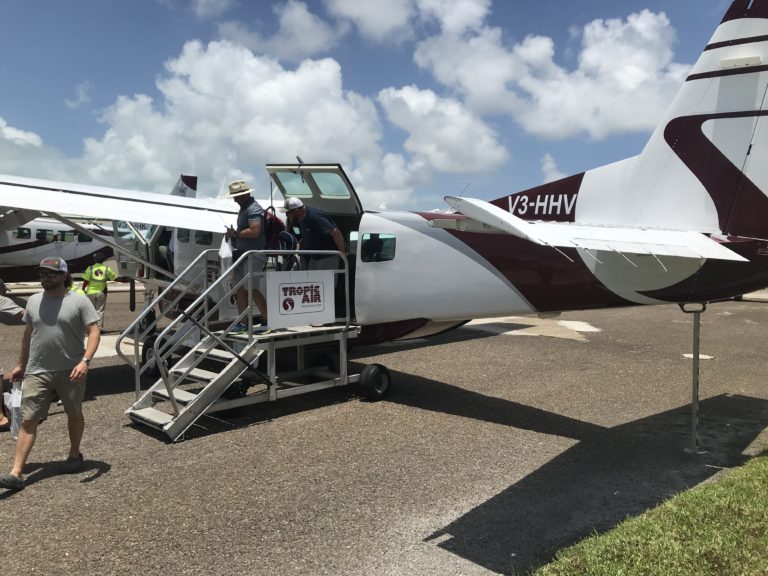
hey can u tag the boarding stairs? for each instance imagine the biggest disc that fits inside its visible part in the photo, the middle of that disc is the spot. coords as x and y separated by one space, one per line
205 365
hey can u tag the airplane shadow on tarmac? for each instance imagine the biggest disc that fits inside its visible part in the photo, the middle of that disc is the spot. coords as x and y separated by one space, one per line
610 474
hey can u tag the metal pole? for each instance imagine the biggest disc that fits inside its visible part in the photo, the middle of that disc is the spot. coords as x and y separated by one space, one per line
695 383
700 307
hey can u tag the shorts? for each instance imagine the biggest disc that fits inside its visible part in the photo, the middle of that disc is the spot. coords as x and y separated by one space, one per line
257 263
37 392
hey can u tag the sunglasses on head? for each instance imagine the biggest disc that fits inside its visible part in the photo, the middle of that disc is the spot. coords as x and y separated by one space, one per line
47 273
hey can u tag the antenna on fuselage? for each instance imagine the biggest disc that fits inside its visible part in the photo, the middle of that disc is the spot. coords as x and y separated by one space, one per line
464 189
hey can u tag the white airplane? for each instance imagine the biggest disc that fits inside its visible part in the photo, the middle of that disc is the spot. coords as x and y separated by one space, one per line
685 221
26 239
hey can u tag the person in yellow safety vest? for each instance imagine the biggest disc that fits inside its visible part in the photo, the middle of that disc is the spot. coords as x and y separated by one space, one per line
95 280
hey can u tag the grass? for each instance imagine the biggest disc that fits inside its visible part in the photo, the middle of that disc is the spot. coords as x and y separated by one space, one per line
717 529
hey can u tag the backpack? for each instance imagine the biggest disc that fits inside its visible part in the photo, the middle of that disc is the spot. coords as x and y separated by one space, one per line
273 225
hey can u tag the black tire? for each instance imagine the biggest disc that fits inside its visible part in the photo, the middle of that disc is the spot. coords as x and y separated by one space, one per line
375 382
146 321
147 355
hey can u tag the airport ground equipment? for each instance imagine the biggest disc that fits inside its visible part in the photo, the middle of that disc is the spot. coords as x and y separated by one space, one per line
205 365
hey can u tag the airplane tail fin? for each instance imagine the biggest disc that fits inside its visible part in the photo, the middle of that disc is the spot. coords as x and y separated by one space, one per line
185 187
705 167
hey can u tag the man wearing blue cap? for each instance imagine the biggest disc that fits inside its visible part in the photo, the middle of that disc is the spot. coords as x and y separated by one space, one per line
53 360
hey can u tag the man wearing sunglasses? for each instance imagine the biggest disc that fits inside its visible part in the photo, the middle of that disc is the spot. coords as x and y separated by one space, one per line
53 360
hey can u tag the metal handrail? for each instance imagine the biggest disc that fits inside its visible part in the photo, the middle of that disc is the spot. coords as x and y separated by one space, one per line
164 345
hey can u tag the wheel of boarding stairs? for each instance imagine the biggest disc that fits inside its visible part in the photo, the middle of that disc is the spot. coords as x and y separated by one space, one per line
148 355
375 381
146 321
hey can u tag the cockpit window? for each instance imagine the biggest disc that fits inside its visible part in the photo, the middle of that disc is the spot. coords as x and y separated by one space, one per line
295 184
331 185
378 247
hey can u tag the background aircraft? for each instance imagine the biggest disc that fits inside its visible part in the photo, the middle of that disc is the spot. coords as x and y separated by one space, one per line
24 242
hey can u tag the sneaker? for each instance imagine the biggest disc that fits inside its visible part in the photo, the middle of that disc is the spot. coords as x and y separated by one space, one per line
263 329
240 327
11 482
73 464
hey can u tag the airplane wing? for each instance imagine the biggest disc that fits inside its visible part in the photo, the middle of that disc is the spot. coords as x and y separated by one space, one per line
209 214
680 243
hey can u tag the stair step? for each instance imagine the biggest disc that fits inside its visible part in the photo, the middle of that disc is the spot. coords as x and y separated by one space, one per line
151 416
216 354
197 374
181 396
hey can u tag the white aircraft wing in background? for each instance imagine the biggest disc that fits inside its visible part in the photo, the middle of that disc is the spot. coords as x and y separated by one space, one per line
209 214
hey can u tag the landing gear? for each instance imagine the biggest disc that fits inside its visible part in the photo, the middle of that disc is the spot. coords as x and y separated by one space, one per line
375 381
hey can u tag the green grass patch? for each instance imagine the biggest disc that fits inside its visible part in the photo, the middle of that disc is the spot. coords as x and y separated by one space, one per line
717 529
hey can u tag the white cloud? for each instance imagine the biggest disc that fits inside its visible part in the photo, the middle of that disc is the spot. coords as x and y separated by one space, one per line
300 33
205 9
443 134
624 80
549 169
455 16
82 95
18 137
377 20
226 110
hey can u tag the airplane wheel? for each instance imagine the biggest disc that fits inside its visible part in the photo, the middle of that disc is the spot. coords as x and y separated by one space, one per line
148 355
375 381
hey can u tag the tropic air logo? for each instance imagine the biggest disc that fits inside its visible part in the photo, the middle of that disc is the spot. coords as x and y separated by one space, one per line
301 298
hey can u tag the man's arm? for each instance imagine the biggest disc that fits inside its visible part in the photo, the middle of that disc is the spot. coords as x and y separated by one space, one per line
253 230
18 372
338 239
94 336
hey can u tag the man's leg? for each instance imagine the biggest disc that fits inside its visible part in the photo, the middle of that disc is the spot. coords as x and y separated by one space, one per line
241 299
76 426
24 443
261 304
100 303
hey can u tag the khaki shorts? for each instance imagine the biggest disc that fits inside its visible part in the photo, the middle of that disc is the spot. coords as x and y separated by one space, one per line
258 262
37 392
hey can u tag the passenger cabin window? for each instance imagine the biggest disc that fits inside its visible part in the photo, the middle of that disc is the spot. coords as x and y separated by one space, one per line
67 236
377 247
182 235
23 233
83 237
46 235
203 238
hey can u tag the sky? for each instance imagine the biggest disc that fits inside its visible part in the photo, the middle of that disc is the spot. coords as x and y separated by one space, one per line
417 99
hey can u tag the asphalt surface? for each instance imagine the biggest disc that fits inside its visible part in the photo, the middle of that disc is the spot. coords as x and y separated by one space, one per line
499 444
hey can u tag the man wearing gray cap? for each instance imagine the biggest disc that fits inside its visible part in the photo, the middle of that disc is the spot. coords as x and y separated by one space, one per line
53 360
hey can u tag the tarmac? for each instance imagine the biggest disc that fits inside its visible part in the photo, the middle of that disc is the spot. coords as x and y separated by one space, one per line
499 444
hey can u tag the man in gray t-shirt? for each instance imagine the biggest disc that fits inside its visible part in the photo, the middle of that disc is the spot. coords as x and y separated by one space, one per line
53 360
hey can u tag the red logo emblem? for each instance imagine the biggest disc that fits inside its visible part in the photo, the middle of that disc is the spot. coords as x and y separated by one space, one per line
288 304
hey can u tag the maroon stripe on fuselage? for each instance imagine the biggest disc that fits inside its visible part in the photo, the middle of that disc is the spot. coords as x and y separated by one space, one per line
24 246
542 275
742 208
746 9
719 279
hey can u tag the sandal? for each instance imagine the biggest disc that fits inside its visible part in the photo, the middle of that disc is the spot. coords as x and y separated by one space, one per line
11 482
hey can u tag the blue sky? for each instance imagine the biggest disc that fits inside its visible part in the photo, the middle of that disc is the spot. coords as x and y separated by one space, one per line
416 98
